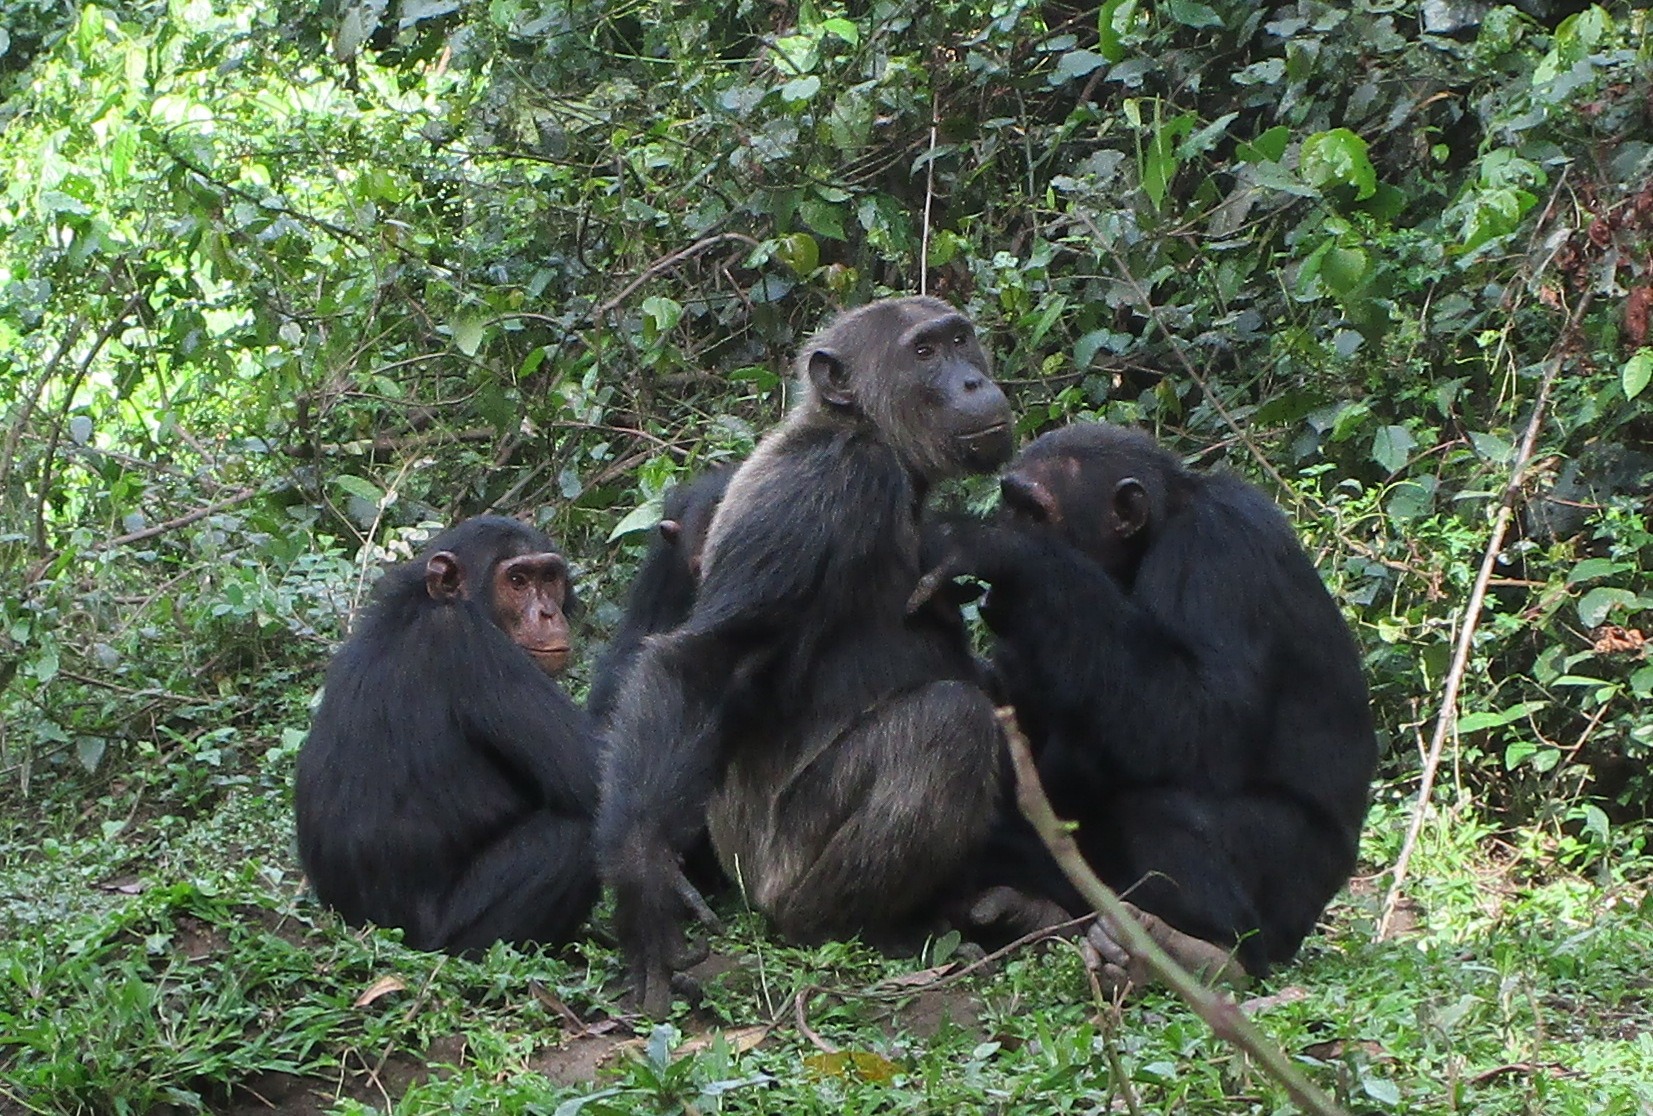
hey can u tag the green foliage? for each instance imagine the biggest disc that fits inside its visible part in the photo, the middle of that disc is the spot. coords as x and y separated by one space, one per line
283 287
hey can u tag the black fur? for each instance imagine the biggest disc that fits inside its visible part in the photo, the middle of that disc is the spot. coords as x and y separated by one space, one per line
447 785
844 755
663 592
1200 711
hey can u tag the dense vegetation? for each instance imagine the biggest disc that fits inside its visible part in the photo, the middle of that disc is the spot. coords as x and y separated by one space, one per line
282 286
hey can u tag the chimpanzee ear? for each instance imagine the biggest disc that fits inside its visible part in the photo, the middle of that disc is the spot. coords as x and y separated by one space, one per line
669 530
444 577
830 376
1130 507
1030 497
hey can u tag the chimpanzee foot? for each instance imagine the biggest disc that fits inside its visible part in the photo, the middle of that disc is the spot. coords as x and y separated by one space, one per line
1011 914
1119 972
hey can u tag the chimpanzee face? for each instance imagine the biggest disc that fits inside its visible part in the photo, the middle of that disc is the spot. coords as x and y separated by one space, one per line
529 595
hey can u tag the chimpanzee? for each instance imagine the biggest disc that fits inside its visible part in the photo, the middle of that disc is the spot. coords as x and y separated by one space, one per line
448 784
1192 695
664 590
842 752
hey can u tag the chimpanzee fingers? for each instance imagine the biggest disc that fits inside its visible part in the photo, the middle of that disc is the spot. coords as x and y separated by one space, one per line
696 903
654 989
930 584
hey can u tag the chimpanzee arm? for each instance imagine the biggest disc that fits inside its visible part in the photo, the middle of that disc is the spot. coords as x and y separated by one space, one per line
511 710
1183 659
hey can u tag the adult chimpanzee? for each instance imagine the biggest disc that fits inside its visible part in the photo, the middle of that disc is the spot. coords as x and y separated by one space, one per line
448 784
1192 695
664 590
841 750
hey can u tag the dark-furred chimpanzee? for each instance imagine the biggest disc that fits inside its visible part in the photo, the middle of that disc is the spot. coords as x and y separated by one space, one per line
841 750
448 784
1192 695
663 591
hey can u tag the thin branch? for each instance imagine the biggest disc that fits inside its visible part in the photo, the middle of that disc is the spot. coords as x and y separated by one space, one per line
1218 1010
929 194
182 521
665 263
1448 715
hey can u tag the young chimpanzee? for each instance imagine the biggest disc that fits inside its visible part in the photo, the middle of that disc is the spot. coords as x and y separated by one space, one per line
664 590
1192 695
841 751
448 784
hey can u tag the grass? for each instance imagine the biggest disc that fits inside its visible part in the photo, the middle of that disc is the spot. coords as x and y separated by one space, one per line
160 955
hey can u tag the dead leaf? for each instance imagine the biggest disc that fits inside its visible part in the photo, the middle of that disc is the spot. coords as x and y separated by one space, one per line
1340 1048
916 980
384 986
1285 996
1611 638
863 1064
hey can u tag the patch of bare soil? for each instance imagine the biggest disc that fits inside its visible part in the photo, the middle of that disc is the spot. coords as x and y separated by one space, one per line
286 1094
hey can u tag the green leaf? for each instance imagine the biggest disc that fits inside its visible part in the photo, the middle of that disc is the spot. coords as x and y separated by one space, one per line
1266 148
1337 158
641 518
1191 14
1107 35
1483 719
1638 370
1078 63
824 218
843 29
1518 752
1599 603
1344 269
1592 568
89 751
467 333
800 89
360 488
1392 447
660 315
799 251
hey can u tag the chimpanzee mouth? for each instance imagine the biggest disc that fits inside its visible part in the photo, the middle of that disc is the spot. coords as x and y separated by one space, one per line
987 446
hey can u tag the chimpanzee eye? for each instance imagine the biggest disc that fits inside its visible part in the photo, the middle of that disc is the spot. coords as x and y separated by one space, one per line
960 338
924 352
518 580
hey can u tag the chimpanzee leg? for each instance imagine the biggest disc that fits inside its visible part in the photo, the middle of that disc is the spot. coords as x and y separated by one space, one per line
535 883
875 822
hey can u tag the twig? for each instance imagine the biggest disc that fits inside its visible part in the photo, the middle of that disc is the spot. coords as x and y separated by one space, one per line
929 195
182 521
665 263
1448 714
1219 1010
804 1028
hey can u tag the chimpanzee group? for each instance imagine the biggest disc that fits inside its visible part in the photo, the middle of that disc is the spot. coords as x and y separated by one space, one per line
791 702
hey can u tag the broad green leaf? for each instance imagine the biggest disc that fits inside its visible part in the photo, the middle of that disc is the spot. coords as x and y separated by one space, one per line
799 251
1517 753
1107 35
1592 568
800 89
843 29
467 333
1482 719
641 518
1599 603
660 315
360 488
1338 158
1344 269
1192 14
89 751
1267 147
1078 63
1392 447
824 218
1638 370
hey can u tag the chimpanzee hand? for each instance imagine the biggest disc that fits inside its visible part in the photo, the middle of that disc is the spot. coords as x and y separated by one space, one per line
652 901
953 546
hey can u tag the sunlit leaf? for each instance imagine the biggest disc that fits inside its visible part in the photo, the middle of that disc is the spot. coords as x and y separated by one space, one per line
1637 371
